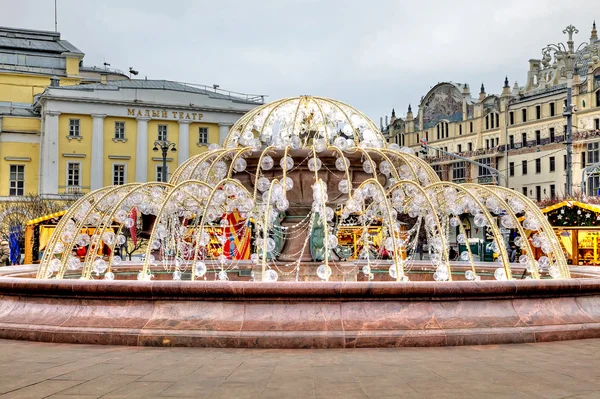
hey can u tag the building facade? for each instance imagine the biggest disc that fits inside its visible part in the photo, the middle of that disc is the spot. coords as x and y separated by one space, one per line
66 128
520 131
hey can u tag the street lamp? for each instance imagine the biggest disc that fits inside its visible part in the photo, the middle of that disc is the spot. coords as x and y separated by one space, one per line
566 55
164 146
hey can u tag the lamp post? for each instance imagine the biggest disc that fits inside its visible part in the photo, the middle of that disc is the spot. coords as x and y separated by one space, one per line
566 55
164 146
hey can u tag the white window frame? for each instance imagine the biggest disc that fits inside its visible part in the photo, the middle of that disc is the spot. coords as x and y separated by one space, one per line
166 132
201 134
74 127
156 174
124 165
16 181
67 174
119 134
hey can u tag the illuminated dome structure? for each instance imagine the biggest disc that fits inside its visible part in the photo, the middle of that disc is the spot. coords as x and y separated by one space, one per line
292 179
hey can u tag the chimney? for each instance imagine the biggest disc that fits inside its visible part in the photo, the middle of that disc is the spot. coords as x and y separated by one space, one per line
386 120
381 122
54 81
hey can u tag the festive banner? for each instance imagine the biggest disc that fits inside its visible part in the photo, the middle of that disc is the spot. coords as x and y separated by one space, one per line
237 245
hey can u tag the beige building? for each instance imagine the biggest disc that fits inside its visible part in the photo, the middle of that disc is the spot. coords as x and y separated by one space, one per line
520 131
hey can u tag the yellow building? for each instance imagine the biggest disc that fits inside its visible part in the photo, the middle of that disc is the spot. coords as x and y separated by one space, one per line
66 128
520 132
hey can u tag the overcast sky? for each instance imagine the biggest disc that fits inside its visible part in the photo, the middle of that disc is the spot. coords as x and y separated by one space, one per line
375 54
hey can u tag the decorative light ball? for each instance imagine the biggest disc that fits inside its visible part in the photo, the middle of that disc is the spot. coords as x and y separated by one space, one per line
83 240
324 272
177 275
546 247
314 164
367 167
388 244
495 247
109 238
392 270
283 204
156 245
554 272
332 242
129 223
199 269
66 237
454 222
263 184
222 259
366 270
55 265
343 186
350 144
240 165
296 143
464 256
342 163
59 248
270 244
223 275
116 260
320 144
219 197
507 222
469 275
329 214
385 168
340 142
99 266
109 276
480 220
120 216
286 163
271 276
523 259
500 274
73 263
394 147
289 183
267 163
544 261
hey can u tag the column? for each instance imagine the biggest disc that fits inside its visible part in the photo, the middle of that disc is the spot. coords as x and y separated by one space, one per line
97 155
141 150
49 154
183 151
223 131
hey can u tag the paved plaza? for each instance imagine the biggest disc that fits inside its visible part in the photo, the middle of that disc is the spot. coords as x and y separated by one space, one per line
568 369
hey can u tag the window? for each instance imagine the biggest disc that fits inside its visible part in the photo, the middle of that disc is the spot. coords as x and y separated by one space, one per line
524 114
524 139
438 171
487 122
511 141
511 117
497 141
438 131
511 168
538 193
162 132
583 160
552 135
74 128
482 170
426 136
73 174
470 127
552 191
120 130
538 137
487 143
203 135
459 148
524 190
552 109
597 123
565 161
538 165
118 174
598 98
458 171
593 185
538 112
459 130
552 164
159 173
17 180
593 153
470 146
524 168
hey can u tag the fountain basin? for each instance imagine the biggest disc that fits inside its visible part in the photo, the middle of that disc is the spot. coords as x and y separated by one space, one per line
298 314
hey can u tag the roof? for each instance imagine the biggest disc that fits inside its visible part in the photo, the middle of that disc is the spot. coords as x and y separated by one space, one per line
35 41
45 217
14 109
170 85
589 207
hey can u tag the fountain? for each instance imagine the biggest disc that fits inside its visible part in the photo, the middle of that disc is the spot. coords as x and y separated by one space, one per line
307 200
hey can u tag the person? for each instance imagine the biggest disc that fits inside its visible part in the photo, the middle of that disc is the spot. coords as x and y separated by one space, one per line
4 252
512 253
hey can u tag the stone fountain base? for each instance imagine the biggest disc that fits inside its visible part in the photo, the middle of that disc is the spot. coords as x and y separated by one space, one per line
298 315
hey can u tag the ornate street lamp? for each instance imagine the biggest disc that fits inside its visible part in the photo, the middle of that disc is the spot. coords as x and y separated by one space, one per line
566 56
164 146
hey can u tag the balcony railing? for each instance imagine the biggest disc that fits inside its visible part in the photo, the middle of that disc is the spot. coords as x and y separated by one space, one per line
73 190
587 134
466 154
